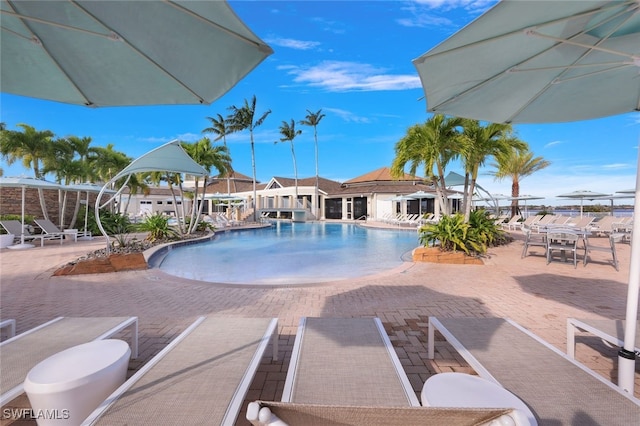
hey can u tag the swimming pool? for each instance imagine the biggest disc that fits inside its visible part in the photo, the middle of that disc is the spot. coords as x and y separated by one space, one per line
291 253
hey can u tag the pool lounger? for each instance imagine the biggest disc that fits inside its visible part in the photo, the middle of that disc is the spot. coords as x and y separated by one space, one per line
201 377
556 388
22 352
350 361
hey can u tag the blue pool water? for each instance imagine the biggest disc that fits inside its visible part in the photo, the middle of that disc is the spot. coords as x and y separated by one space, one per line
292 253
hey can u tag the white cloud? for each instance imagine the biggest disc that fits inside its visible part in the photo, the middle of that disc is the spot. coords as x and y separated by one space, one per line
292 43
429 13
347 115
340 76
550 144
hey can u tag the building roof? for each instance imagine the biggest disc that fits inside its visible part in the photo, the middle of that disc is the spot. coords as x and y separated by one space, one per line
381 174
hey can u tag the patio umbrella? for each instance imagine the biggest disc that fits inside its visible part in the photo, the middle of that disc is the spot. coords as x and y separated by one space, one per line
583 195
526 198
574 61
115 53
24 183
420 195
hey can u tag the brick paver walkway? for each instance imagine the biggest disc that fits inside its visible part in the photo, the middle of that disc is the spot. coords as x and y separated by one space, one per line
538 296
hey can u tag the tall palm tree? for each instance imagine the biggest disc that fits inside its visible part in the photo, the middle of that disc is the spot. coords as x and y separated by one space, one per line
433 145
517 164
479 144
289 133
313 119
208 156
242 119
221 127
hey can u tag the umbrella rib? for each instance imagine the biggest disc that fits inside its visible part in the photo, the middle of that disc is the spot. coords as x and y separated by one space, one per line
38 40
261 46
134 48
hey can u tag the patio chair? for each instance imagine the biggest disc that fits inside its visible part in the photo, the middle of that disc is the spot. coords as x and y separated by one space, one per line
201 377
563 242
610 331
582 223
528 222
604 224
543 222
557 389
533 239
513 223
15 227
22 352
51 230
609 248
346 361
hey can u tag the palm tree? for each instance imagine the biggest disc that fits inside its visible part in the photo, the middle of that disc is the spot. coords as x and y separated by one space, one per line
220 127
433 145
289 133
517 164
241 119
480 143
208 156
313 119
30 146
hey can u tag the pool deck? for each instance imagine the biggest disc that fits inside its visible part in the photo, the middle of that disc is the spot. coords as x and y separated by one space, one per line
538 296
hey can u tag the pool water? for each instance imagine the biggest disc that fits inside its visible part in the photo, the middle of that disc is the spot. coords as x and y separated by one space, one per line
292 253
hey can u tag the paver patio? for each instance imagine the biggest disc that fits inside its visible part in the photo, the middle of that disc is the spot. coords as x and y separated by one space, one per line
538 296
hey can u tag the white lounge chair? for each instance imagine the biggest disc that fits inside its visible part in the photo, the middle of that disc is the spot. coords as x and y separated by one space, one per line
557 389
15 227
346 361
22 352
201 377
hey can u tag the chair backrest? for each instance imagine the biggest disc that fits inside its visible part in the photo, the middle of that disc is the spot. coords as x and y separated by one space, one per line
566 237
48 226
13 227
532 219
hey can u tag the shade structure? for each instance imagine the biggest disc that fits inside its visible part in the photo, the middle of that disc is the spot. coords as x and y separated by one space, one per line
527 62
24 183
87 188
116 53
583 195
170 157
534 64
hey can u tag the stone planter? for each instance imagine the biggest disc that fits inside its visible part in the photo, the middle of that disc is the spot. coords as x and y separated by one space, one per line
435 255
6 240
113 263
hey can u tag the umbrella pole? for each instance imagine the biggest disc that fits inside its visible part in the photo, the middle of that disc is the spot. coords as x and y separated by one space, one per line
626 355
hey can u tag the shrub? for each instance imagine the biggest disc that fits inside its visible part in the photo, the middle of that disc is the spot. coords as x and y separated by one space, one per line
453 234
157 225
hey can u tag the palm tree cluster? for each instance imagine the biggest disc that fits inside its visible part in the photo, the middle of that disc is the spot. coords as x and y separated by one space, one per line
440 140
244 118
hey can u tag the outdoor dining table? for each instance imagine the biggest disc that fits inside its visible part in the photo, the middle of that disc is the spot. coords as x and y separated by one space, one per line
566 237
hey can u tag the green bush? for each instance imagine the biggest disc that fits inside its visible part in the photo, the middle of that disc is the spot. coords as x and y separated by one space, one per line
453 234
157 225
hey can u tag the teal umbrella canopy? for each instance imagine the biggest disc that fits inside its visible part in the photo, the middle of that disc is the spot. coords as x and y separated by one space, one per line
532 62
118 53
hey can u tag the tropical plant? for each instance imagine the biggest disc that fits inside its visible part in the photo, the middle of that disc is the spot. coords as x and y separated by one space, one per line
433 145
450 233
517 164
116 225
242 119
484 230
313 119
289 133
221 127
480 143
208 156
157 225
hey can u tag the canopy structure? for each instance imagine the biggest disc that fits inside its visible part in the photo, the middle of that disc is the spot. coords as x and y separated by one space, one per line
24 183
118 53
583 195
86 187
170 157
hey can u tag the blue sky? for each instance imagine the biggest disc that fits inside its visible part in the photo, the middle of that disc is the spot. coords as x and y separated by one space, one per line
352 60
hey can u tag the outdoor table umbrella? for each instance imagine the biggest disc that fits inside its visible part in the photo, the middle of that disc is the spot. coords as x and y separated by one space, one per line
526 198
576 60
583 195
